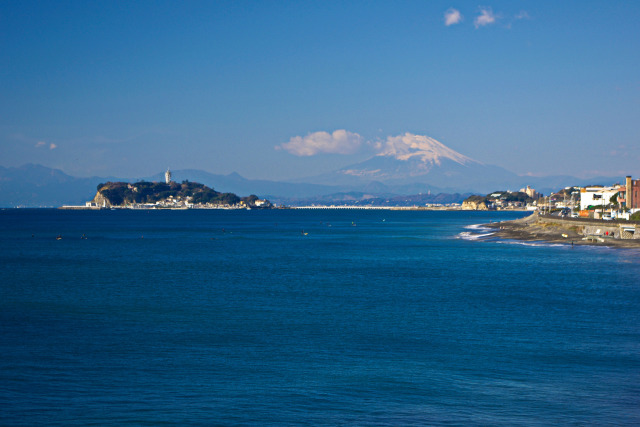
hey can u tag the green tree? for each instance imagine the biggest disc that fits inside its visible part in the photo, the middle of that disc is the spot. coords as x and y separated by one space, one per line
614 200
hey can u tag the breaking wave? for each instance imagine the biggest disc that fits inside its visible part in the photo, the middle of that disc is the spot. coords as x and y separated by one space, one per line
538 244
478 231
478 227
467 235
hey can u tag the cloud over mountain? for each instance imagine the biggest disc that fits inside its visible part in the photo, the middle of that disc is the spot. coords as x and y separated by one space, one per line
340 142
402 147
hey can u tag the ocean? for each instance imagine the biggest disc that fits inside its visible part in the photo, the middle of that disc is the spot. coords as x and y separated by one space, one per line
317 317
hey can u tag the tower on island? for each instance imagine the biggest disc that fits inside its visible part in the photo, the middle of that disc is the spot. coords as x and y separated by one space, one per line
167 176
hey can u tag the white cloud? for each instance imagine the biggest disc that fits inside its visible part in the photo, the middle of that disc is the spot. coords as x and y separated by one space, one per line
338 142
40 144
52 146
452 16
486 17
523 15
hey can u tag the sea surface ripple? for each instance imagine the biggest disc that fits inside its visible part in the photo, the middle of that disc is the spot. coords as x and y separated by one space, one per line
284 317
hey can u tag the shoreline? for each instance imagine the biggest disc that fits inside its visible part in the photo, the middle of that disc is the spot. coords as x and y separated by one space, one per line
530 229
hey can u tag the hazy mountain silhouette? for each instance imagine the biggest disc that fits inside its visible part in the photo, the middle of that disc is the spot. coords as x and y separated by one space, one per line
39 186
410 164
33 185
410 159
385 176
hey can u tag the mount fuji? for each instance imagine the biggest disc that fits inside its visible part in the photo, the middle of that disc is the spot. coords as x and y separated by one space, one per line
409 162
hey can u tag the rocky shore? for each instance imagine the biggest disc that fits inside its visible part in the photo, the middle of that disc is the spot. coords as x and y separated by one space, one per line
531 229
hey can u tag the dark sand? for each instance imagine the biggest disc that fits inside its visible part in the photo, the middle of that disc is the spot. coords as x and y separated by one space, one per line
530 230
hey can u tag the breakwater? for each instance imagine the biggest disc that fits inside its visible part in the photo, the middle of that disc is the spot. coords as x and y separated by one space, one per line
596 227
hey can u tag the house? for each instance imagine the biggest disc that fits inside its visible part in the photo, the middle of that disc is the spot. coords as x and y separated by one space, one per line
597 196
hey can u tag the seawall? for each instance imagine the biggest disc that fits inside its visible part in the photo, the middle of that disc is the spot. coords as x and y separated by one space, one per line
596 227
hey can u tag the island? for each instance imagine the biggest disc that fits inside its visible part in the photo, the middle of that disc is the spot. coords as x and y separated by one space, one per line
168 195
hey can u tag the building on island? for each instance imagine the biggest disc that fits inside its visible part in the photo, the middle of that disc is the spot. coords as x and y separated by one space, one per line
262 203
167 176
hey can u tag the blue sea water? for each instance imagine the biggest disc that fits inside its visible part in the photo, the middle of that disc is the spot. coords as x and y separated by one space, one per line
310 317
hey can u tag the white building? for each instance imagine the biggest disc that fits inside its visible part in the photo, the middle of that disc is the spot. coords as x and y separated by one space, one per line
597 196
167 176
260 203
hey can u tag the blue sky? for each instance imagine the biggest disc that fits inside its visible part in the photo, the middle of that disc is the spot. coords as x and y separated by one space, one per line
129 88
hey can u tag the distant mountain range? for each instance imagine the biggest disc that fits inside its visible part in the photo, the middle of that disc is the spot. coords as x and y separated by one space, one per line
406 165
33 185
38 186
410 164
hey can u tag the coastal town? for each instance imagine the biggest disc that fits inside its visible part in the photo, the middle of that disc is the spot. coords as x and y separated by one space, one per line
591 215
617 201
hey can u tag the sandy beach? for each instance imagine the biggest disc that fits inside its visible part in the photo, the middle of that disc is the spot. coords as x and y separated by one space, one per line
530 229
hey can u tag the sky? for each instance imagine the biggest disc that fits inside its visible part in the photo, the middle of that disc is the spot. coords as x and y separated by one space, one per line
286 90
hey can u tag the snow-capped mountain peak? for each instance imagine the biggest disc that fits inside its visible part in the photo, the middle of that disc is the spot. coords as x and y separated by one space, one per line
420 147
410 160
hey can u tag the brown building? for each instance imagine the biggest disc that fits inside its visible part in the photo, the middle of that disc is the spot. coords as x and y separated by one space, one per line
631 194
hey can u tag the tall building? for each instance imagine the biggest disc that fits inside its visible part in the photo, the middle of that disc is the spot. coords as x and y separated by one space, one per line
530 192
167 176
632 193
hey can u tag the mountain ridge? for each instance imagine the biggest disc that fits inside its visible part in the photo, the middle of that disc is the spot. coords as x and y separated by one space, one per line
34 185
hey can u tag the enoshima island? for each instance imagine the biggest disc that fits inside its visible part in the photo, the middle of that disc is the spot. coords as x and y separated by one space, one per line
167 195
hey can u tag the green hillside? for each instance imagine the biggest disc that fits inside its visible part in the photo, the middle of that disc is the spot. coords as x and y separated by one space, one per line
123 193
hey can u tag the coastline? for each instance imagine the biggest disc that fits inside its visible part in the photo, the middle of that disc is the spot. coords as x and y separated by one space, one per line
531 229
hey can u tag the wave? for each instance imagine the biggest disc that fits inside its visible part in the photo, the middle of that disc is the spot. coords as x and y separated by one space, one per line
478 227
478 231
467 235
537 244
